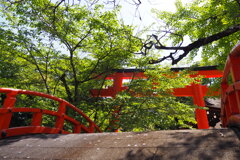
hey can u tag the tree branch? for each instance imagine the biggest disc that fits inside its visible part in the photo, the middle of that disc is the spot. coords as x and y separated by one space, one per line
238 2
76 82
69 94
196 44
54 10
34 62
80 41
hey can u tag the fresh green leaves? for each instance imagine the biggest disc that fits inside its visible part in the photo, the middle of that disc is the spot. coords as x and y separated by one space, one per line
67 50
211 25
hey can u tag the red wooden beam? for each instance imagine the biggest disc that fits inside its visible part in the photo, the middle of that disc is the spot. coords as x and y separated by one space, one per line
9 108
196 91
230 108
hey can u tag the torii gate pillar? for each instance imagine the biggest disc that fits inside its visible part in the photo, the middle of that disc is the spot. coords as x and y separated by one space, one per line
201 114
196 91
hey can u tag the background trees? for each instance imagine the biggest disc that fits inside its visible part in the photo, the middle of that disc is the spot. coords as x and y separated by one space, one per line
60 48
208 27
66 48
67 44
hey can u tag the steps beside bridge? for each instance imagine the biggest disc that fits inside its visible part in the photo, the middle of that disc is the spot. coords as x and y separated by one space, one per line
215 144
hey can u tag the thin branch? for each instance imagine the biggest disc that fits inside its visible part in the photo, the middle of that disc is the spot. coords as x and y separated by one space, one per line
29 49
80 41
14 2
69 94
238 2
197 44
54 10
76 82
94 77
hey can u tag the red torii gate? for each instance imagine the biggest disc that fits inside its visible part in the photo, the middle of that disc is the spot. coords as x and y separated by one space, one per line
196 91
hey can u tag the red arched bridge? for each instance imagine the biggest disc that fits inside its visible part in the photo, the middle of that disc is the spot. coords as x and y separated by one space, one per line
230 109
230 87
8 109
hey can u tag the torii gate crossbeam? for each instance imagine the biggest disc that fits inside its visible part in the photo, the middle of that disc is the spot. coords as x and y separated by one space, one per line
196 91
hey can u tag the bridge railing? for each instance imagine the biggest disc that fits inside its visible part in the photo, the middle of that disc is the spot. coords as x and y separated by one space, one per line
230 85
61 118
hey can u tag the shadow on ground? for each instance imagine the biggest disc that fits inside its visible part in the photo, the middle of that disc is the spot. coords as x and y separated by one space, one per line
218 145
10 140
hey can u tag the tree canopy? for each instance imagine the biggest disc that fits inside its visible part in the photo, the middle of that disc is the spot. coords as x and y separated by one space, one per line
80 44
208 27
66 49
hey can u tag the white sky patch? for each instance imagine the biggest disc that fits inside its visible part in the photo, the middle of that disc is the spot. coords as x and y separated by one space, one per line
142 16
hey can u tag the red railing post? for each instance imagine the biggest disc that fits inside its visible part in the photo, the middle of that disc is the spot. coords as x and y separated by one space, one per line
77 128
60 118
36 127
224 87
235 70
235 67
9 102
91 127
230 109
37 119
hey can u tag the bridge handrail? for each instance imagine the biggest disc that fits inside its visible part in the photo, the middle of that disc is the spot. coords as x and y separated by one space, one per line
8 109
230 96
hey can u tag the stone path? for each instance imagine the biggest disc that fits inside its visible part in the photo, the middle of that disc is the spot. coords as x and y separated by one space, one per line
212 144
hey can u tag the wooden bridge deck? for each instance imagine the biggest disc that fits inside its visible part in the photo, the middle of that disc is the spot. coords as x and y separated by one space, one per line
215 144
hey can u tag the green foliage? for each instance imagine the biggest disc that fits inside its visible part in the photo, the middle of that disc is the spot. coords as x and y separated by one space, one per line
64 43
66 50
203 18
155 107
148 103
